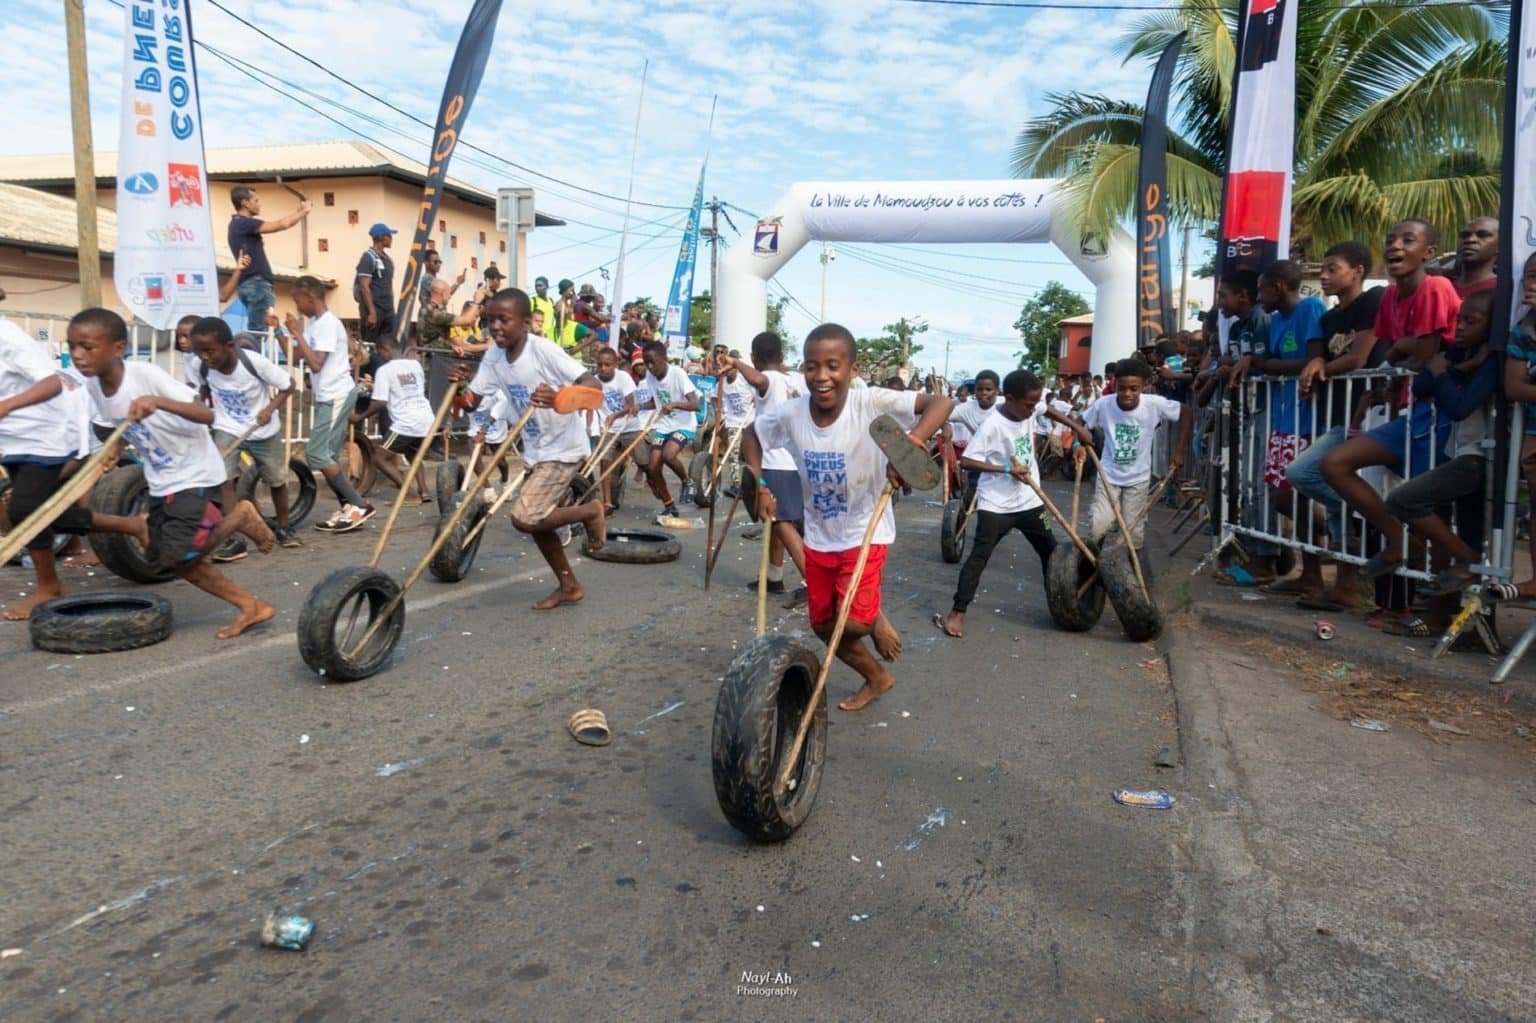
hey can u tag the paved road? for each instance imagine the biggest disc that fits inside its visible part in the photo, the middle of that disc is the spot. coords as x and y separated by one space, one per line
464 859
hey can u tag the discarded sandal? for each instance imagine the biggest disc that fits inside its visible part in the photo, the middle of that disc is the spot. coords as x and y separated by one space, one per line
1239 576
590 727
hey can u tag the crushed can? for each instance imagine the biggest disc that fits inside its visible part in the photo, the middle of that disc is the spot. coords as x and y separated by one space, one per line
1323 627
1152 799
289 931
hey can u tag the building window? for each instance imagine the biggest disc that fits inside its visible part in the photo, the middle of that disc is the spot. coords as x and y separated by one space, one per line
330 198
503 246
442 226
453 241
352 216
474 263
325 245
482 237
431 244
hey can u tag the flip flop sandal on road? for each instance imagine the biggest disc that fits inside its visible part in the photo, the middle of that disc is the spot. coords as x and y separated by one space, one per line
1241 577
590 727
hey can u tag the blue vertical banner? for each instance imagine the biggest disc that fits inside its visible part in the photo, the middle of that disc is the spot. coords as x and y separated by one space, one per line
1154 297
674 326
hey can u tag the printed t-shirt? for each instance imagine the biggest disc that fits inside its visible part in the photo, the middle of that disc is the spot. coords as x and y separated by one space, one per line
401 385
1128 435
1002 441
1288 337
549 436
675 386
841 470
737 402
46 430
326 335
782 387
239 396
177 454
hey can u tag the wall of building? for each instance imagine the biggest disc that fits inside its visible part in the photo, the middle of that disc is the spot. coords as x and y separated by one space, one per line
1074 357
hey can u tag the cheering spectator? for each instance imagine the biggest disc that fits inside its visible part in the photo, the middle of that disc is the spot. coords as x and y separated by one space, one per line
245 230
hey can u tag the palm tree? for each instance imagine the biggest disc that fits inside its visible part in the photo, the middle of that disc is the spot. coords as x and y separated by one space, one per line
1398 113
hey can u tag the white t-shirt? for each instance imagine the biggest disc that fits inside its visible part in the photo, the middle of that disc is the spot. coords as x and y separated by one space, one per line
782 387
493 417
614 392
191 369
325 334
549 436
675 386
402 386
737 401
1043 423
177 453
238 396
966 418
841 470
1128 435
1001 441
47 430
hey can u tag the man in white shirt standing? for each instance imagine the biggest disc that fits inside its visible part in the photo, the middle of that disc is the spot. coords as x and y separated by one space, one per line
322 345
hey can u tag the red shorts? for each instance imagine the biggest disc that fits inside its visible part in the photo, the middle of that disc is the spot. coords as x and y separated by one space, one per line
827 574
1283 450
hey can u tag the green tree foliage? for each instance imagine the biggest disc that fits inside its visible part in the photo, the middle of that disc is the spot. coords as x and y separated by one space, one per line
881 356
1037 325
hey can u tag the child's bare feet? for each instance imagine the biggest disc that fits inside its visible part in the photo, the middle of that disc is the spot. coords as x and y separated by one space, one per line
952 624
21 612
259 611
885 637
560 596
880 682
142 533
597 531
248 520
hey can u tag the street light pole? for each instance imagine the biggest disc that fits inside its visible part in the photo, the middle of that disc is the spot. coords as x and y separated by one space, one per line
826 257
88 254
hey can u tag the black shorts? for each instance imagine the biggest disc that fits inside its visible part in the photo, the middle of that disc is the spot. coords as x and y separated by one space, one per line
402 445
31 485
179 525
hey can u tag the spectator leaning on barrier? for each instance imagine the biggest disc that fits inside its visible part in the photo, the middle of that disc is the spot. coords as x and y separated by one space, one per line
1477 250
1520 385
245 230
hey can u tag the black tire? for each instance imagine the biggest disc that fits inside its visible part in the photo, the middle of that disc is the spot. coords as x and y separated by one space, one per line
330 607
453 559
360 469
764 695
450 477
1065 572
698 475
1139 617
638 547
952 531
300 502
580 485
123 491
100 623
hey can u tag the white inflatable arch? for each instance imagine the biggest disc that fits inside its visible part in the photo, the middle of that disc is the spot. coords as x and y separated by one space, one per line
926 211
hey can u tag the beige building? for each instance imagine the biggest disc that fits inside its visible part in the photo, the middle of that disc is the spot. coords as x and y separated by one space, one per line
351 184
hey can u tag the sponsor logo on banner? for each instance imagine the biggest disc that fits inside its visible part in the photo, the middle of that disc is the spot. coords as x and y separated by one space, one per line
141 184
191 283
184 184
765 240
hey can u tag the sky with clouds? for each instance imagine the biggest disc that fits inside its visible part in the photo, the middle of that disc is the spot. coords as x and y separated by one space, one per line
808 89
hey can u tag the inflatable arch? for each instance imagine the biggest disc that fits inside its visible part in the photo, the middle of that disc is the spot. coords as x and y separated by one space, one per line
926 211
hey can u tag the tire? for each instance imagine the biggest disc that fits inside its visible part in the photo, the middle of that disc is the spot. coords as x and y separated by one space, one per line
357 459
1139 617
580 484
60 540
952 531
330 606
453 559
123 491
100 623
757 713
450 477
638 547
698 475
1065 572
300 501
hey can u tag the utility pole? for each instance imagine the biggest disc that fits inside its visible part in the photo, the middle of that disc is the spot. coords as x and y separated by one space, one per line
88 255
826 257
1183 316
947 342
714 267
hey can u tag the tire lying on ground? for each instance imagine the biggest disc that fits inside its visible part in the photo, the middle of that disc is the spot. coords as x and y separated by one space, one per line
123 491
454 559
1065 573
100 623
638 547
764 695
300 502
337 614
450 477
1139 617
952 531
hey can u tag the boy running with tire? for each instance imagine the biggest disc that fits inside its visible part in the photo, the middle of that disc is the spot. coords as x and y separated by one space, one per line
619 405
1001 453
667 387
169 433
400 387
529 369
842 473
238 385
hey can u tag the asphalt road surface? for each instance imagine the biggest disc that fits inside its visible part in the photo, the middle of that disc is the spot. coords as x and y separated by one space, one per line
464 859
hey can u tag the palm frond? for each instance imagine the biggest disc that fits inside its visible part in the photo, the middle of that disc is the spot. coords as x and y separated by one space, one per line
1051 145
1344 208
1448 203
1101 193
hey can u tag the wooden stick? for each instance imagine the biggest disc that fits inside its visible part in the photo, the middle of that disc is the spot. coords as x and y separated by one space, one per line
442 534
410 474
1140 518
1070 527
67 494
474 456
714 496
1114 506
501 499
1077 493
762 577
597 451
837 633
622 456
235 444
711 558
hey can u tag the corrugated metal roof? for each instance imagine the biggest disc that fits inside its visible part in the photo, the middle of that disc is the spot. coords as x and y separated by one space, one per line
1076 320
30 218
298 160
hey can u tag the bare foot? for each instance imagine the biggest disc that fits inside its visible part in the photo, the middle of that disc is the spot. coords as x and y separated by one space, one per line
85 559
886 639
597 531
872 688
21 612
259 611
248 520
142 533
953 623
560 596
